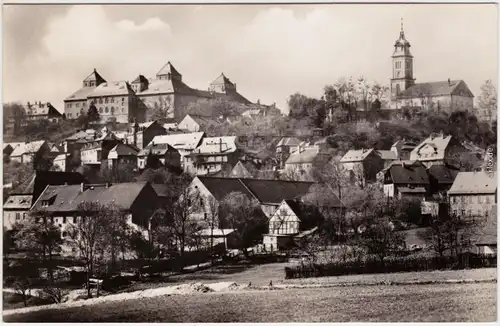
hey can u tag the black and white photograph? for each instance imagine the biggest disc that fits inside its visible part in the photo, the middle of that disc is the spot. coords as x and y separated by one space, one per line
249 162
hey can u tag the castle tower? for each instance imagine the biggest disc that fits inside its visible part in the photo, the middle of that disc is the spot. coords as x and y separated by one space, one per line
168 72
402 65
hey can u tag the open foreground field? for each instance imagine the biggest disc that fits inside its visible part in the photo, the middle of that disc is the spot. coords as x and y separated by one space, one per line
261 275
437 302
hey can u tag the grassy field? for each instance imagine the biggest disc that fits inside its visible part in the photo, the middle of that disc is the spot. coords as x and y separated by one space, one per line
15 301
260 275
417 303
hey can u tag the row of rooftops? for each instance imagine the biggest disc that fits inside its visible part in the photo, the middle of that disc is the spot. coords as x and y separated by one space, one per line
415 173
438 143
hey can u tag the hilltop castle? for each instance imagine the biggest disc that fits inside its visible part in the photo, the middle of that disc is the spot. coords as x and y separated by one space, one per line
127 102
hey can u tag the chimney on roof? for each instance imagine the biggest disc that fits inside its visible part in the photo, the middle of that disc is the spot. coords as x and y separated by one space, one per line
220 145
449 82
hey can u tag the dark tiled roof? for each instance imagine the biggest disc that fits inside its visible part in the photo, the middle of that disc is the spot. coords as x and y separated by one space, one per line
265 191
220 187
443 174
430 89
94 76
140 79
40 179
405 173
168 68
274 191
67 198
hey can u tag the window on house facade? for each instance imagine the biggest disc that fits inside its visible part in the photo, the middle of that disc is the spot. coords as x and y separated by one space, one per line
112 109
77 105
18 216
106 109
488 201
100 110
69 105
100 100
106 100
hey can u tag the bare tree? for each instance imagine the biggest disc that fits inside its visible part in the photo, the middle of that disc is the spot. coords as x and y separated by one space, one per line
181 212
88 235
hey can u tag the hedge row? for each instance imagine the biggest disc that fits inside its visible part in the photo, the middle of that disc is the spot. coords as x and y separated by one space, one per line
392 265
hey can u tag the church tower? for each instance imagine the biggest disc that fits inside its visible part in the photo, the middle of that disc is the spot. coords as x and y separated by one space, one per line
402 65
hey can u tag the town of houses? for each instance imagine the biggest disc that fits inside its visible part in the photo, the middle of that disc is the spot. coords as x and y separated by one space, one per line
219 165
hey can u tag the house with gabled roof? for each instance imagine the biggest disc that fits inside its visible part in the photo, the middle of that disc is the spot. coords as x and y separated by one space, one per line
122 154
42 111
441 178
195 123
473 194
214 154
95 151
289 222
362 165
284 148
269 193
305 159
185 143
159 155
37 152
437 149
25 194
138 200
405 179
402 148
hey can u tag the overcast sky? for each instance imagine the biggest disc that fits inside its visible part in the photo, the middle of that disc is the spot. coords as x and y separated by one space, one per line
269 51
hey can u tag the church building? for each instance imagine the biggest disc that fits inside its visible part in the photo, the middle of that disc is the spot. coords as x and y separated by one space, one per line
449 95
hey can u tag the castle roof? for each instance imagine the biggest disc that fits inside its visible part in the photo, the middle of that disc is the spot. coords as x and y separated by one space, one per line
115 88
94 76
168 69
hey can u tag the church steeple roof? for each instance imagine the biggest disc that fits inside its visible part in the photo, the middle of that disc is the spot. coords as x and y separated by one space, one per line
402 46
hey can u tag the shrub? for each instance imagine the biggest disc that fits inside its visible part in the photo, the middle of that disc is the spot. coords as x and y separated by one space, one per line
372 265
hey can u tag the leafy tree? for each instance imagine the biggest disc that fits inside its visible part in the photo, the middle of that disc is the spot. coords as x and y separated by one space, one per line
448 233
123 172
161 109
41 237
244 215
15 115
93 114
488 100
381 239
